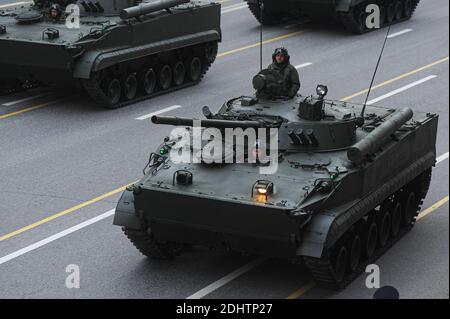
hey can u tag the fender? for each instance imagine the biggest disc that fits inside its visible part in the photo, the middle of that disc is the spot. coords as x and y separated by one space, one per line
125 212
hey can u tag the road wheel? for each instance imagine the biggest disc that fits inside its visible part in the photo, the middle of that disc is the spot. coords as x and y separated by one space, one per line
179 73
165 77
147 81
410 204
113 91
130 86
370 238
355 248
195 69
384 228
339 262
396 218
398 10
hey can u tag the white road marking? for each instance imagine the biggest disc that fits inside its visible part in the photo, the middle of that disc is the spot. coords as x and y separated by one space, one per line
167 109
25 99
234 7
303 65
399 90
57 236
224 280
442 158
393 35
14 4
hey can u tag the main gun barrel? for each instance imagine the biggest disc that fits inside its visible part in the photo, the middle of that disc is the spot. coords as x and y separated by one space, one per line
375 139
182 121
149 7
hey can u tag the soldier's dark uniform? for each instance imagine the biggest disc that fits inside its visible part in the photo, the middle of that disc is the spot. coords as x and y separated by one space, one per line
289 73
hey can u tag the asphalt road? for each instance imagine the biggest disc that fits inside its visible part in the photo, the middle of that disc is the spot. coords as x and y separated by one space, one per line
60 154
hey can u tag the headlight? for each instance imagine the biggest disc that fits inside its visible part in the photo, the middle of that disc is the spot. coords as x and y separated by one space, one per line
321 90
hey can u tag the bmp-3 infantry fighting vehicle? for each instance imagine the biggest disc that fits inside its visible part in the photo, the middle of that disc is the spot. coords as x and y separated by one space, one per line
348 183
121 51
351 13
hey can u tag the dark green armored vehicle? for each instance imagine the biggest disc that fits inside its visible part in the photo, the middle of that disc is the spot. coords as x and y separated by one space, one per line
340 186
351 13
119 51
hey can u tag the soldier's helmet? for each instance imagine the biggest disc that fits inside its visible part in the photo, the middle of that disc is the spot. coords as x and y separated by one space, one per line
282 51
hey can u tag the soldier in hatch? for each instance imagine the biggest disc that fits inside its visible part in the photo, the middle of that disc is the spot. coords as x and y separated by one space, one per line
281 64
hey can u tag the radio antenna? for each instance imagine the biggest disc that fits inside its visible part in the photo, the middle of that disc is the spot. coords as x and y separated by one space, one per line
261 13
373 77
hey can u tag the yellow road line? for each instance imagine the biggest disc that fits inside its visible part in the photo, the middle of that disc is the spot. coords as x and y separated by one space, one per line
63 213
424 213
396 79
257 44
28 109
433 208
302 291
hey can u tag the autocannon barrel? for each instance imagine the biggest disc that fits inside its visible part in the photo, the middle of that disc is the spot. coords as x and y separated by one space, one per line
149 7
375 139
181 121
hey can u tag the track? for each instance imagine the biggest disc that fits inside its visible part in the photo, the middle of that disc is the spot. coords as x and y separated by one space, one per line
350 22
8 87
95 91
71 157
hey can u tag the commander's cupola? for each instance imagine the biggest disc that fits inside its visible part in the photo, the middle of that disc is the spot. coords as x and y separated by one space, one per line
312 109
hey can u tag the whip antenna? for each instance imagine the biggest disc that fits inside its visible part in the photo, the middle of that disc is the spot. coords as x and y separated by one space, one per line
374 74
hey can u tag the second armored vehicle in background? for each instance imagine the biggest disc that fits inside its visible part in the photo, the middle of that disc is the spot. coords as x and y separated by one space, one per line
351 13
122 51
